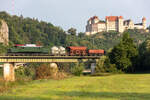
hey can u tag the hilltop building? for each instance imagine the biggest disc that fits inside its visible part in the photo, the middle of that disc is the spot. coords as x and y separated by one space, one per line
112 23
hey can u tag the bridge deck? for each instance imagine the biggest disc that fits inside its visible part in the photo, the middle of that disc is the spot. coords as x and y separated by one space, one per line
47 58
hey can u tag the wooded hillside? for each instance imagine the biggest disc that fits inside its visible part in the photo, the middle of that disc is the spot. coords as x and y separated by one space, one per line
29 30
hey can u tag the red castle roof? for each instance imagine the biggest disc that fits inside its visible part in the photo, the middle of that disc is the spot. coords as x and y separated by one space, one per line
144 18
113 18
94 17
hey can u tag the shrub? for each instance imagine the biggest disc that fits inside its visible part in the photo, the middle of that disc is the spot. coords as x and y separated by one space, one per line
20 72
25 72
104 66
78 69
100 65
66 67
45 71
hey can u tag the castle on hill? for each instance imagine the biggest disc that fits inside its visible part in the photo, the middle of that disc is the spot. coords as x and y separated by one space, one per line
112 23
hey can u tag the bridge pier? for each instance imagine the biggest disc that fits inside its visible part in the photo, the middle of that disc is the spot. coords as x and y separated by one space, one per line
93 66
8 72
54 69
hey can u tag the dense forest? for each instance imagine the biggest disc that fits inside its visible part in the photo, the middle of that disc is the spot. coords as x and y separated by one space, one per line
30 30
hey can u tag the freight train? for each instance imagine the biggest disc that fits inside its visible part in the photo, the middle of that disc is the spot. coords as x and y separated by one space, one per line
33 49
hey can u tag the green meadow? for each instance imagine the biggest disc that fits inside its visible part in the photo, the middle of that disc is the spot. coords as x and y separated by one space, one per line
114 87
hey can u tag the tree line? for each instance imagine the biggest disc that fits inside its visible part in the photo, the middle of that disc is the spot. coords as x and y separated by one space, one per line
126 57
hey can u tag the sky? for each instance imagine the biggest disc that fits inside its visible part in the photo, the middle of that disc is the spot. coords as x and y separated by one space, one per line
75 13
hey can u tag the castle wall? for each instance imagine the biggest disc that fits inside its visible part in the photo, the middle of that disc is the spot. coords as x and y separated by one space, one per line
112 26
138 27
120 25
101 27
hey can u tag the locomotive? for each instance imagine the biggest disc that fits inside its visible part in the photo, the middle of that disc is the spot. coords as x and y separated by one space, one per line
33 49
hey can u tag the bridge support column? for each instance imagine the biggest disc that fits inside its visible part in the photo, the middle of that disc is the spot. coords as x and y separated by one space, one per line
54 68
8 72
93 66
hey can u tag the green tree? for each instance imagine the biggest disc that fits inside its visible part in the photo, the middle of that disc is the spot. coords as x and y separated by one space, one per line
81 34
72 31
124 54
144 56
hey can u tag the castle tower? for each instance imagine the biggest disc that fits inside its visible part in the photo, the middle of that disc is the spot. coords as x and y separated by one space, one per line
92 27
95 20
114 23
107 22
120 24
89 21
88 26
144 22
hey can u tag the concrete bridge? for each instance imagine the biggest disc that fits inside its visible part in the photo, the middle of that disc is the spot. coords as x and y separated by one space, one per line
9 61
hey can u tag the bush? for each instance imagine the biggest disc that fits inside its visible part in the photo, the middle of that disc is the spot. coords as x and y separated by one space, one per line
25 72
100 65
49 71
78 69
43 71
104 66
20 72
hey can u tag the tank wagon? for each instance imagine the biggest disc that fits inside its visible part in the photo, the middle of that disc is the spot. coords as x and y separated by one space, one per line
58 51
33 49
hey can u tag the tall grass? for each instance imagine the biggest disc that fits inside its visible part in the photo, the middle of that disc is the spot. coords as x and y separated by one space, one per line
114 87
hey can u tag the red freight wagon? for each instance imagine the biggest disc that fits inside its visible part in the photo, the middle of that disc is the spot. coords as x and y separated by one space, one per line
76 51
96 52
19 45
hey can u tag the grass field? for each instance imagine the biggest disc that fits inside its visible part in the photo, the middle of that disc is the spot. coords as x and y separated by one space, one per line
115 87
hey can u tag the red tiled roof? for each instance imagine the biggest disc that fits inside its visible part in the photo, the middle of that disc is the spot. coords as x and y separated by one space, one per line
144 18
94 17
90 19
113 18
120 17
